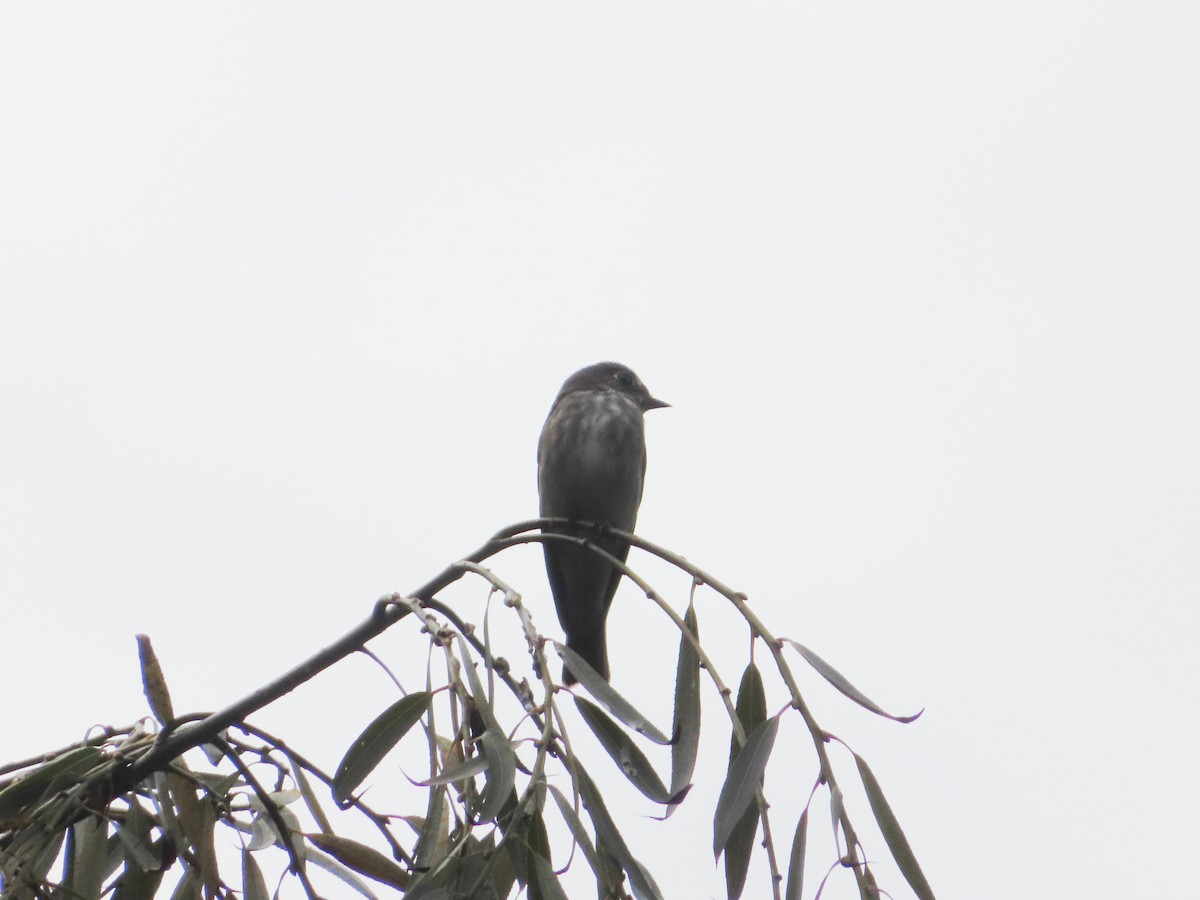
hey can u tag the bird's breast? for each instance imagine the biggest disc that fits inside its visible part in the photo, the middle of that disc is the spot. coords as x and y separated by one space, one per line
592 458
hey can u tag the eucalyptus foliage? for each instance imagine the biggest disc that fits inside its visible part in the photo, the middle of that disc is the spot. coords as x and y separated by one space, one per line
124 814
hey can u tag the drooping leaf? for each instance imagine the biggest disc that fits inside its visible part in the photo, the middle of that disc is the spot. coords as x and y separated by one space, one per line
685 732
795 876
90 861
742 782
362 859
478 694
343 874
432 840
892 833
837 812
502 774
640 880
738 850
136 883
461 772
839 681
197 819
545 884
188 887
310 796
134 833
751 705
525 836
374 743
629 758
254 885
621 708
575 824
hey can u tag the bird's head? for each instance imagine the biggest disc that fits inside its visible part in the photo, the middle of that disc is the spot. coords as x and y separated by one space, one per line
611 376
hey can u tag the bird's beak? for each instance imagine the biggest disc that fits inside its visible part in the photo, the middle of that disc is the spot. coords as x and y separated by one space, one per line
650 403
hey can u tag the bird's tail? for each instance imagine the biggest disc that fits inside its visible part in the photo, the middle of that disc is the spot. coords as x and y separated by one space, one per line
594 650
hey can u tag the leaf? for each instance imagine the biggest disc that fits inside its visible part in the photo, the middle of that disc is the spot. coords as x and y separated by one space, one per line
892 833
839 681
582 838
738 850
134 833
502 774
432 839
546 882
154 684
482 704
188 887
621 708
751 705
310 796
59 773
90 860
362 859
254 885
340 872
741 784
795 876
374 743
197 818
632 762
685 731
138 884
640 880
460 772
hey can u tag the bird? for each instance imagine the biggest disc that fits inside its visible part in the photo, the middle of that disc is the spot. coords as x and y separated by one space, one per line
591 468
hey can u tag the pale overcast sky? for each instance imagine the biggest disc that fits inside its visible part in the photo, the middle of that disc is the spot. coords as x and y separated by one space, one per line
287 290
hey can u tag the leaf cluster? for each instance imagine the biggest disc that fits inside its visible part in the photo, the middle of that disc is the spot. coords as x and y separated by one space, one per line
507 803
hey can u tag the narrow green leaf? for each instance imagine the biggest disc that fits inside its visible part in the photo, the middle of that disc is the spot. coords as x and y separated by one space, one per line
341 873
431 841
362 859
310 796
188 887
738 850
751 705
136 883
795 876
134 833
374 743
892 833
640 880
631 761
621 708
254 885
526 837
685 731
89 861
461 772
575 824
478 694
839 681
742 782
545 885
502 774
837 812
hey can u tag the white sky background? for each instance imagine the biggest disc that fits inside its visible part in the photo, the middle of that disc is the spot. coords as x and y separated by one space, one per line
287 292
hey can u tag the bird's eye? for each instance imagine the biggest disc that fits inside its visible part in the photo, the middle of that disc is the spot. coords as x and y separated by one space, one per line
625 379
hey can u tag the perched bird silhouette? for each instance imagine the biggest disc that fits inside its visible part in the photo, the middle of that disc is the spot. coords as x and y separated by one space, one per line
591 466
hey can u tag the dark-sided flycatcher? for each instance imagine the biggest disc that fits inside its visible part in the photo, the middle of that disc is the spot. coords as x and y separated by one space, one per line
591 465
